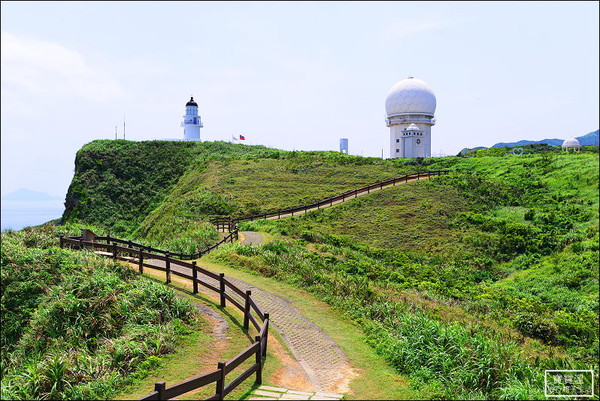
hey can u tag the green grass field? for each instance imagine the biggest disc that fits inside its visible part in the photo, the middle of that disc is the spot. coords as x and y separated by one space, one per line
468 285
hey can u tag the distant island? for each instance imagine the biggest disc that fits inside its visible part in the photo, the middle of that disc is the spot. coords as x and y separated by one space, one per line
590 139
23 194
585 140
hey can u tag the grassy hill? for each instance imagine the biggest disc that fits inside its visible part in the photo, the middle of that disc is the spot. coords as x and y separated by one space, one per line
76 325
493 268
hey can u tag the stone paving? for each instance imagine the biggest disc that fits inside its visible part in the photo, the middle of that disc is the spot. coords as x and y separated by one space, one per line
251 238
323 361
325 364
278 393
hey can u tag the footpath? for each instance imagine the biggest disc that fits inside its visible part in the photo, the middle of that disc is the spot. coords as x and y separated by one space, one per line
326 367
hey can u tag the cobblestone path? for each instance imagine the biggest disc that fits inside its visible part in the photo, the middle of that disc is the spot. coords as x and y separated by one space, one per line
323 361
325 364
251 238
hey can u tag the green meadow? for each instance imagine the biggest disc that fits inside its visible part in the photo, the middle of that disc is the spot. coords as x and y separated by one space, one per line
469 284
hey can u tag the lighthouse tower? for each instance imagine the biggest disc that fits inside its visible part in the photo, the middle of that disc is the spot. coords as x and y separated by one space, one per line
410 108
191 121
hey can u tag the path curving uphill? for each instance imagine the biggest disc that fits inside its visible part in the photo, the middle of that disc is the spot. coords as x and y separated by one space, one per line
326 366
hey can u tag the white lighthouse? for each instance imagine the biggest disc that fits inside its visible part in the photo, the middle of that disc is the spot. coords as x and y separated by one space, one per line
410 108
191 121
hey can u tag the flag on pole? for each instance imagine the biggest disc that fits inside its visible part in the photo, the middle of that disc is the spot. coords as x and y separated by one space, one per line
242 138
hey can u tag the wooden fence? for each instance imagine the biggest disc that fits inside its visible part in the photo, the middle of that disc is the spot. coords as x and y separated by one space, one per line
218 283
338 198
231 237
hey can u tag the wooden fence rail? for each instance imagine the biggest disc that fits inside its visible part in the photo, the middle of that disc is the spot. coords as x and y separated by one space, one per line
222 222
238 298
231 237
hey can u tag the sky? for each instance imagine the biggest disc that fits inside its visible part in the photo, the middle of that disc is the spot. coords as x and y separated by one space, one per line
287 75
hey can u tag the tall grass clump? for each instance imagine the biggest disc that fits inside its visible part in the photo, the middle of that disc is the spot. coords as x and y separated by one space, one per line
76 325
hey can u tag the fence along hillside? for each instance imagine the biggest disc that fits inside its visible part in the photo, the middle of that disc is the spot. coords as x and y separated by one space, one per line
218 283
171 264
224 223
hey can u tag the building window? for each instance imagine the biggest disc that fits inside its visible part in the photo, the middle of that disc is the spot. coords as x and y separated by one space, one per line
397 140
397 150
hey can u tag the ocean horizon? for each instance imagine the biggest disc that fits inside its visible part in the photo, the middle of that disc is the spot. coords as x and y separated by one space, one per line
16 215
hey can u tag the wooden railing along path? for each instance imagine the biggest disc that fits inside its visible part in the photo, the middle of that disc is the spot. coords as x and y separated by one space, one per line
145 256
278 214
218 283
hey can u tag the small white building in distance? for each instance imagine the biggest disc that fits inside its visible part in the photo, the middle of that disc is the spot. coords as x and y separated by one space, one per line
571 143
410 108
191 122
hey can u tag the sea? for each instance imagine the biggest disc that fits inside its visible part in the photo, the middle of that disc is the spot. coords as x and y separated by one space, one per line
16 215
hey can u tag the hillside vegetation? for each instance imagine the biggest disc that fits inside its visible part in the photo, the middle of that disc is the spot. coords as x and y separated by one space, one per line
76 325
166 192
472 284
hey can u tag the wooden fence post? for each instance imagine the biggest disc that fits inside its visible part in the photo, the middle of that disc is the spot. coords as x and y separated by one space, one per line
264 348
61 241
221 381
80 243
222 288
247 310
160 388
168 263
114 246
258 360
141 261
195 276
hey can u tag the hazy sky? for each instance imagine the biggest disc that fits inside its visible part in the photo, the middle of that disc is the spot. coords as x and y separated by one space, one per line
289 75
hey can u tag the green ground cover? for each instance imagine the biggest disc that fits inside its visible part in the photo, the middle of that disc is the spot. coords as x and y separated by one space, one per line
499 258
520 255
76 325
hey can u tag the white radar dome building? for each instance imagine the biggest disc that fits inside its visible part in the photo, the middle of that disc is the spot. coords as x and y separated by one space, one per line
410 108
571 143
191 121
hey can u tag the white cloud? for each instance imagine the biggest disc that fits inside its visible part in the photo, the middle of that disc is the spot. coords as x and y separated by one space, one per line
39 67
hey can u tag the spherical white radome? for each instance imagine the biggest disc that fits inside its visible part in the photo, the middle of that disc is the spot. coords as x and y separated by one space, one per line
410 96
571 143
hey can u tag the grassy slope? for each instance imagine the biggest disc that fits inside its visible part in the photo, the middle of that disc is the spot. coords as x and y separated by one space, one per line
519 235
78 326
428 219
467 237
